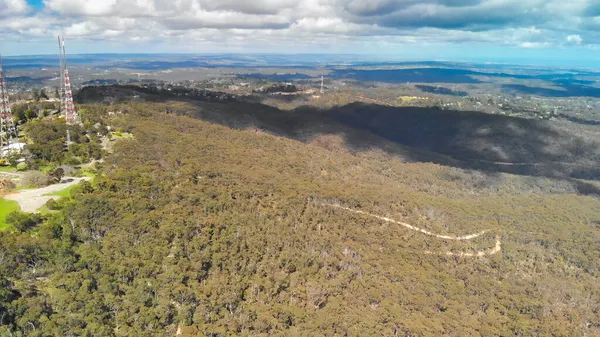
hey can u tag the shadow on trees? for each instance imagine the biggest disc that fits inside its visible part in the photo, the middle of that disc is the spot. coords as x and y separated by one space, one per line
469 140
568 89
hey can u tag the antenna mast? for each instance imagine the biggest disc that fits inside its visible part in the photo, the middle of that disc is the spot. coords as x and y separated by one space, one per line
322 90
67 105
7 124
62 76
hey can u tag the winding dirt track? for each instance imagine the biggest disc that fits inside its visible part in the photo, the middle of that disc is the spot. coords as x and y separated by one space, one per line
480 253
424 231
497 248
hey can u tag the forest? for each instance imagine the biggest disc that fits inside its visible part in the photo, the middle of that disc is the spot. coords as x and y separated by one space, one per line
208 223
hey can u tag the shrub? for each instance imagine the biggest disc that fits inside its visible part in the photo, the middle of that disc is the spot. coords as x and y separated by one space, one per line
83 187
52 205
5 183
13 159
56 175
22 166
72 161
23 221
36 179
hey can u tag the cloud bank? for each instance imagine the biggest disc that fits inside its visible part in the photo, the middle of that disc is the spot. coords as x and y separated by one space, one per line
329 25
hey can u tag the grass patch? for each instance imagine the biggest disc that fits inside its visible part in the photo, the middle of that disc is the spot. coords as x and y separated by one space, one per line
64 193
409 99
6 207
8 169
46 169
122 135
87 172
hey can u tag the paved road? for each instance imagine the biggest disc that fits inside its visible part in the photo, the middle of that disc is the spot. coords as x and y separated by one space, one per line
31 200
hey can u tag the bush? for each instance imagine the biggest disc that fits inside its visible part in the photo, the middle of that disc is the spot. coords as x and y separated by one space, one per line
56 175
5 183
13 159
36 179
53 205
72 161
83 187
22 166
23 221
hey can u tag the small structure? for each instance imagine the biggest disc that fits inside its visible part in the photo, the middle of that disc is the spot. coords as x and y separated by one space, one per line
12 148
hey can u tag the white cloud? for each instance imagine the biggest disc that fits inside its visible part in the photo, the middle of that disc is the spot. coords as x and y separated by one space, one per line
279 23
574 39
535 44
13 7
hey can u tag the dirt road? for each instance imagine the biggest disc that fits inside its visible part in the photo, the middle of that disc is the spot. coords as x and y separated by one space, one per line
424 231
496 249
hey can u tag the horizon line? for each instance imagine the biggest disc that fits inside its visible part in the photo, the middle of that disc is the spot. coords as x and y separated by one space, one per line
361 57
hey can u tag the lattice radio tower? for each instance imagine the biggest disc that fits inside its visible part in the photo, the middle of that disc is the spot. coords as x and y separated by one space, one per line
66 94
322 89
7 123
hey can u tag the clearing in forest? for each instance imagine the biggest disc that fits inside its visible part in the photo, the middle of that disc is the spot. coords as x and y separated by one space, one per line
32 199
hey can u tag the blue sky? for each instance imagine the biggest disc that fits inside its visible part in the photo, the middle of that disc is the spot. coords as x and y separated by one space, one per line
545 32
36 3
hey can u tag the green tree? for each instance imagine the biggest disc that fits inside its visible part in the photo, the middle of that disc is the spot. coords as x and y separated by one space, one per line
23 221
42 94
30 114
56 175
13 159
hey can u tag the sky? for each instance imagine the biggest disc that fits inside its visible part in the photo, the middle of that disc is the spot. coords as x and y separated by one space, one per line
545 32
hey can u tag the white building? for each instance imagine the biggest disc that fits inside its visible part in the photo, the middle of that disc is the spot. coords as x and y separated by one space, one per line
12 148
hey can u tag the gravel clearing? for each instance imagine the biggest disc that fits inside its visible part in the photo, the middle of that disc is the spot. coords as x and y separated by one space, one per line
31 200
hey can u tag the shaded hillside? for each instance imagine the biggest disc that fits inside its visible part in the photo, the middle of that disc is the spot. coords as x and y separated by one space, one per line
205 230
475 140
567 90
419 75
464 139
475 137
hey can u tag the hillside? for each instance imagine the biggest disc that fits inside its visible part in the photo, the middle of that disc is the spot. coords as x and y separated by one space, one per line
283 226
473 140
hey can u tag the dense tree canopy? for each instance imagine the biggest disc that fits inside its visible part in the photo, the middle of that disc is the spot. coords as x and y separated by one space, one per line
49 142
202 230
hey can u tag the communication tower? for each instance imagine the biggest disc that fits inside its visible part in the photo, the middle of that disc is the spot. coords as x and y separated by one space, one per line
66 94
7 124
322 90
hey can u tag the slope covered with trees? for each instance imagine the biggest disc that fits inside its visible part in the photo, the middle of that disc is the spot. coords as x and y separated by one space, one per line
194 228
